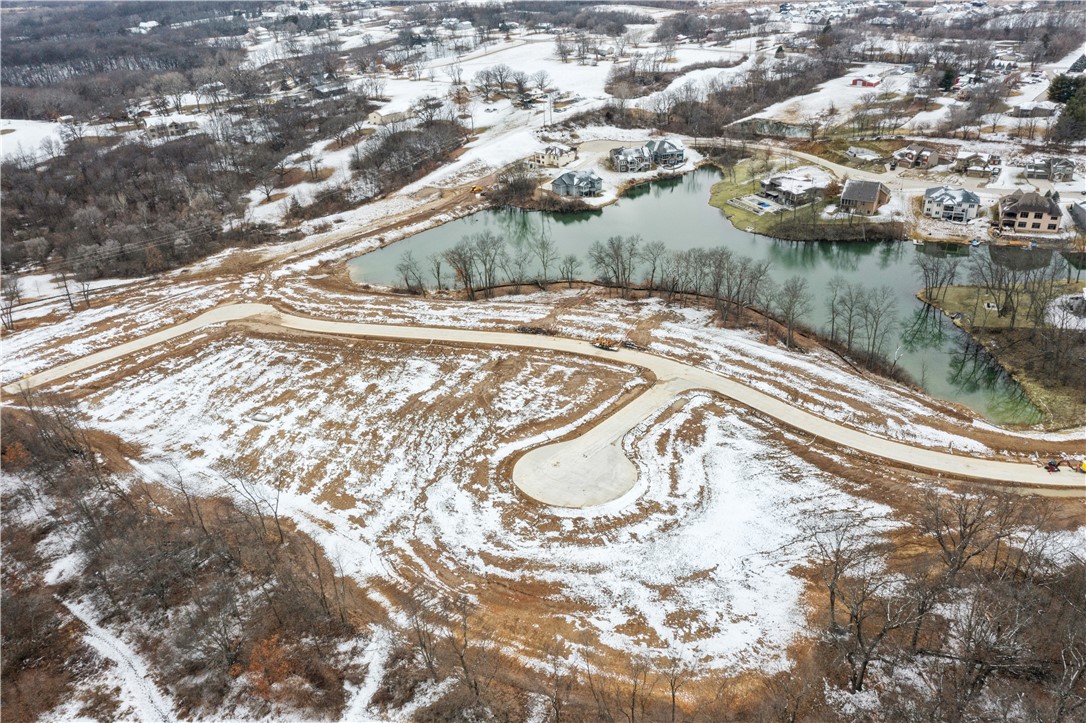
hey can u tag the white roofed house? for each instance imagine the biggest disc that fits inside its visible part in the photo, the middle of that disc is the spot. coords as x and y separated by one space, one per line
951 204
978 165
553 156
795 188
666 152
631 160
576 184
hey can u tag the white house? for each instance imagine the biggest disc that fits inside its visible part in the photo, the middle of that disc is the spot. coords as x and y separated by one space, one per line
553 156
951 204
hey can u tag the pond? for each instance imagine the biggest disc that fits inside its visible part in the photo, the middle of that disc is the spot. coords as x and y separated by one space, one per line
936 354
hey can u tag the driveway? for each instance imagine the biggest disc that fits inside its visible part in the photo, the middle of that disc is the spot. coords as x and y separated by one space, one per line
591 469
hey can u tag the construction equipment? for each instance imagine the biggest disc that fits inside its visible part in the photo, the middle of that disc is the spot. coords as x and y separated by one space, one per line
605 344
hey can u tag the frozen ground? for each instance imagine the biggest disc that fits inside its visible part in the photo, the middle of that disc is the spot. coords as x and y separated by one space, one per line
838 93
24 137
701 562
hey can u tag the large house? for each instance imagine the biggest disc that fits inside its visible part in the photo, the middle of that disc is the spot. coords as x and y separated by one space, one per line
1051 169
951 204
864 197
631 160
553 156
793 189
979 165
173 129
666 152
916 155
1029 213
578 183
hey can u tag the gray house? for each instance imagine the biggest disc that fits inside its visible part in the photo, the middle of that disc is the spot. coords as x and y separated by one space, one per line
1078 212
666 152
631 160
1051 169
578 183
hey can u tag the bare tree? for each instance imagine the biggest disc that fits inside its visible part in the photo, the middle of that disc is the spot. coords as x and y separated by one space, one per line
60 277
471 647
936 272
455 73
874 610
515 266
794 302
569 268
546 252
563 48
462 259
651 255
436 262
841 545
489 250
541 79
421 611
561 678
878 319
410 271
677 672
10 295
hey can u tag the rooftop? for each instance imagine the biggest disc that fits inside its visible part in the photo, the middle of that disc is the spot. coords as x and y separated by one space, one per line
946 194
864 191
1020 202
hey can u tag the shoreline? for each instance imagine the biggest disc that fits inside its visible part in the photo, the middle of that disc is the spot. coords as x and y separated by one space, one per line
1028 383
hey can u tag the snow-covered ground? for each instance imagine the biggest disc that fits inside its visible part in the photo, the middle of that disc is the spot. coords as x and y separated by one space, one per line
712 541
24 137
838 94
1068 312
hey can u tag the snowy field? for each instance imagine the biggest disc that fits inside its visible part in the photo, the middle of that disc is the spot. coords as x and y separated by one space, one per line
24 137
701 562
838 94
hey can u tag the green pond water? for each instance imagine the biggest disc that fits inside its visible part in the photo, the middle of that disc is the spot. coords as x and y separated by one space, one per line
936 354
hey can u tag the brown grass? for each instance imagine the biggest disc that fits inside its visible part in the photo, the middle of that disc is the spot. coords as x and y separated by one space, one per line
274 197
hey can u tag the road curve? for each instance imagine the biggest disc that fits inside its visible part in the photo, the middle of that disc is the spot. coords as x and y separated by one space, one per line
554 474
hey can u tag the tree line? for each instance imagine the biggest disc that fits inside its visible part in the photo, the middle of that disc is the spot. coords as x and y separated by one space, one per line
862 319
